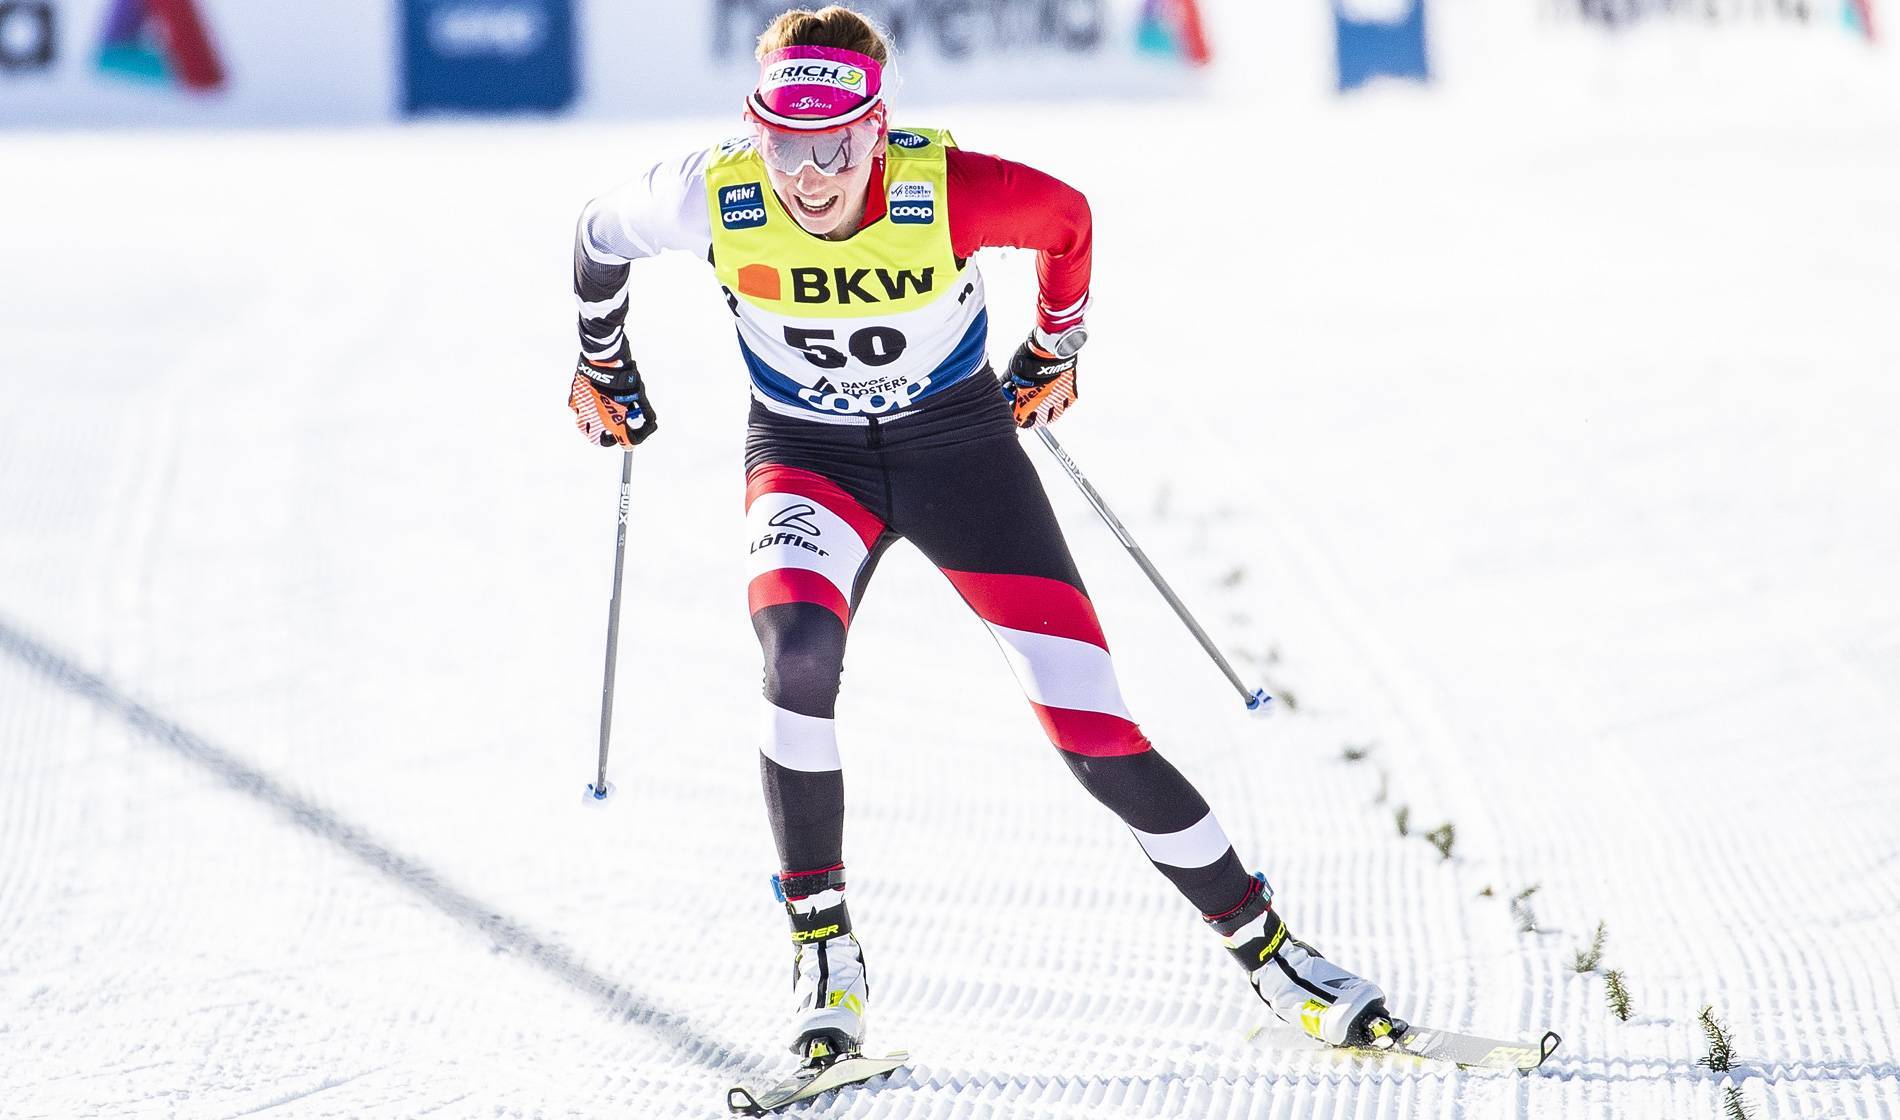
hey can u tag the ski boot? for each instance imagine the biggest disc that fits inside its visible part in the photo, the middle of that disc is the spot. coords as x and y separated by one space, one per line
828 976
1303 988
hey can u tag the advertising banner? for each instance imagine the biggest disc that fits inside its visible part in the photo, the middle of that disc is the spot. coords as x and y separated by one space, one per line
489 56
67 63
698 56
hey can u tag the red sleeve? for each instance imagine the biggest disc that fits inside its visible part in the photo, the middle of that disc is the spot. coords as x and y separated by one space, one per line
994 202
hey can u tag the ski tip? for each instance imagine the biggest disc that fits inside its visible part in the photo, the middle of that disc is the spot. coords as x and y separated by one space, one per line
741 1102
1260 703
1547 1046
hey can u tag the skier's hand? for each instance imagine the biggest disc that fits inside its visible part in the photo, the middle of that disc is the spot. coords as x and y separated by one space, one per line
1039 386
610 403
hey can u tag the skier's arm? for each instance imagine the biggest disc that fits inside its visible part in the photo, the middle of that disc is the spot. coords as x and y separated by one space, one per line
996 202
663 208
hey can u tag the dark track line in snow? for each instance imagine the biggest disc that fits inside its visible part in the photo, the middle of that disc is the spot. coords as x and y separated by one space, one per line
410 874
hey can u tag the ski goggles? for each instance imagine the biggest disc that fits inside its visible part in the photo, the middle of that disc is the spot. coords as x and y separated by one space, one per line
818 105
832 151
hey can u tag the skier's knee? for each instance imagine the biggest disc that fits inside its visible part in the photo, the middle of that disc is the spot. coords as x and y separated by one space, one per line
802 668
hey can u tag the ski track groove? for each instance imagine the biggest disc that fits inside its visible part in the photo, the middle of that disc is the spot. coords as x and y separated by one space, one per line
363 846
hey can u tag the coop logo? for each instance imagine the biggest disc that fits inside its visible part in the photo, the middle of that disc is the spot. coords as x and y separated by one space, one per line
164 42
1172 29
27 39
905 139
913 204
742 207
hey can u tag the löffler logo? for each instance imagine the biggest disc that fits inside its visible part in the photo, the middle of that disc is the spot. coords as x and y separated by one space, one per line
160 41
1173 27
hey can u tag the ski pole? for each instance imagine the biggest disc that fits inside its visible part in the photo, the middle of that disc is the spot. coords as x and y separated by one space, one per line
600 787
1256 698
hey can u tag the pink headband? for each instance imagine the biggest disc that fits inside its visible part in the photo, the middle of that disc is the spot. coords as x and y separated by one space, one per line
813 88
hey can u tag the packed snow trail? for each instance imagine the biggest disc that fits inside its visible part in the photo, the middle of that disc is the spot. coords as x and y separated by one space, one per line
1570 499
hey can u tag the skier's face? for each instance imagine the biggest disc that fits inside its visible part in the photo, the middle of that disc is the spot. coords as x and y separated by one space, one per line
828 206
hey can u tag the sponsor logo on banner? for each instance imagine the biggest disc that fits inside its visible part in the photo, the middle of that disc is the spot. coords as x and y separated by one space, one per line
488 56
912 204
1855 16
1172 29
961 30
742 207
164 42
905 139
1380 39
28 36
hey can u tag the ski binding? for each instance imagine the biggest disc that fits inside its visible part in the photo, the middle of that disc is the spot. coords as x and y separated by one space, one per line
822 1074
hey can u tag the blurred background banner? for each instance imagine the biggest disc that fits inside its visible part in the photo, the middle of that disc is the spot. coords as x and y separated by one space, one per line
84 63
68 63
490 57
1380 39
217 62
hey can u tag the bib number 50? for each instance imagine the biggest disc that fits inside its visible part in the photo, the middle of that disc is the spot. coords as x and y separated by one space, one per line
873 346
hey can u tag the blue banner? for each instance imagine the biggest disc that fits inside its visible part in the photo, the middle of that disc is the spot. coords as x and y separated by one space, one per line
1371 48
488 56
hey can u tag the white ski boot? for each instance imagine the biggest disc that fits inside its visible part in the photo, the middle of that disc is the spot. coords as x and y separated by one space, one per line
828 976
1303 988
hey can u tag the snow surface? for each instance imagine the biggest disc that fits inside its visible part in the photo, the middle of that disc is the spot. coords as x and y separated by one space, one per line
1548 450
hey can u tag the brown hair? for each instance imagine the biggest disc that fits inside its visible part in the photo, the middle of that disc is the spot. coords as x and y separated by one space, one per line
833 26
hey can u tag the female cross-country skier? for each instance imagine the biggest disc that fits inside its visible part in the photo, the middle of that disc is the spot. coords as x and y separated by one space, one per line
844 247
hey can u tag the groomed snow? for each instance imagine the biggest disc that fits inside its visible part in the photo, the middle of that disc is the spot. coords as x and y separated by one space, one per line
1548 451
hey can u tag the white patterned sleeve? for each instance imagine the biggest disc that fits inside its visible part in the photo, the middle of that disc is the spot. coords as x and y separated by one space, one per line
661 209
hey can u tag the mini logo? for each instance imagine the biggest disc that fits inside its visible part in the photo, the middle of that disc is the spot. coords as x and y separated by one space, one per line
905 139
913 204
797 517
742 207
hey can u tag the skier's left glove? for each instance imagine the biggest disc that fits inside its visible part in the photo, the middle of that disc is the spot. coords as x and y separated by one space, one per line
610 402
1040 384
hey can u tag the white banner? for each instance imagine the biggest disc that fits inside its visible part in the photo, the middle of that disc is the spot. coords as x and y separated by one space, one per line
695 56
91 62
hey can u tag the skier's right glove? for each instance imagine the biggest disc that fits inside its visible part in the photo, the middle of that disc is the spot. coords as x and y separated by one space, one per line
610 403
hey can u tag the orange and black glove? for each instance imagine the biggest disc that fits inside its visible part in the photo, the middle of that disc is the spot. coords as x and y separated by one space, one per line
610 402
1040 384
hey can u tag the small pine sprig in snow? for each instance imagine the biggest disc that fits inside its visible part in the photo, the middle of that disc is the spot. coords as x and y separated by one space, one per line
1734 1105
1587 960
1402 816
1521 910
1355 752
1442 838
1619 994
1721 1049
